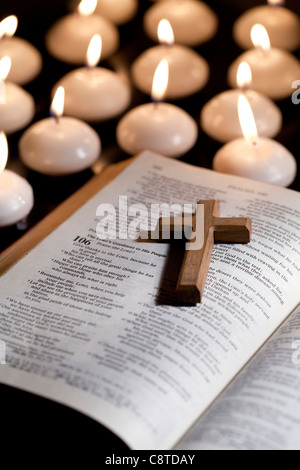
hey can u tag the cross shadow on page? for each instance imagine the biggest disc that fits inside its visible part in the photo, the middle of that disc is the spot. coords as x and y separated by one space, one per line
167 288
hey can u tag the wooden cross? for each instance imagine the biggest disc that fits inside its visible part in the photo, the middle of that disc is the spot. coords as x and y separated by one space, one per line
194 270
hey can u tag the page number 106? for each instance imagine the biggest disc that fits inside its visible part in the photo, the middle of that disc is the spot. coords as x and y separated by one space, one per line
82 240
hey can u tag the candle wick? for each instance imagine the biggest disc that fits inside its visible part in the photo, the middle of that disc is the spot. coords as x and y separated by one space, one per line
90 67
155 104
244 88
54 116
265 51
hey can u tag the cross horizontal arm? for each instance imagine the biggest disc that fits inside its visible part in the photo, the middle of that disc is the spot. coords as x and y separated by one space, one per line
237 230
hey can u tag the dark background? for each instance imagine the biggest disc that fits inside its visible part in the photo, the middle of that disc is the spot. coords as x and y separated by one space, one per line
34 421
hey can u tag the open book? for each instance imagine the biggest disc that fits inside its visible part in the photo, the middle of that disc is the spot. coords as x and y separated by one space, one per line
93 324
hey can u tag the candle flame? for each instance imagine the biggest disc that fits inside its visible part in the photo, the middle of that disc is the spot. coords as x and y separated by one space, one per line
165 33
160 81
260 37
244 76
8 26
94 51
87 7
58 103
276 2
3 151
5 66
247 120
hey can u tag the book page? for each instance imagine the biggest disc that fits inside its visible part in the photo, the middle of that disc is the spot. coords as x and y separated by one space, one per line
93 323
260 411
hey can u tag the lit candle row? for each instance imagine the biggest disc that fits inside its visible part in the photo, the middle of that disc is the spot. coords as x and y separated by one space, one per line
194 23
166 129
96 94
68 38
62 145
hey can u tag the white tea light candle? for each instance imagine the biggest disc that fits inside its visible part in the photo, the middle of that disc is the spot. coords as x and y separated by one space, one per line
59 145
68 39
26 60
16 194
188 71
159 127
254 157
273 70
193 21
219 117
117 11
282 24
17 107
93 93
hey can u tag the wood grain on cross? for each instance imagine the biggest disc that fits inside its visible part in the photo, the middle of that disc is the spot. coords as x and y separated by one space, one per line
194 270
